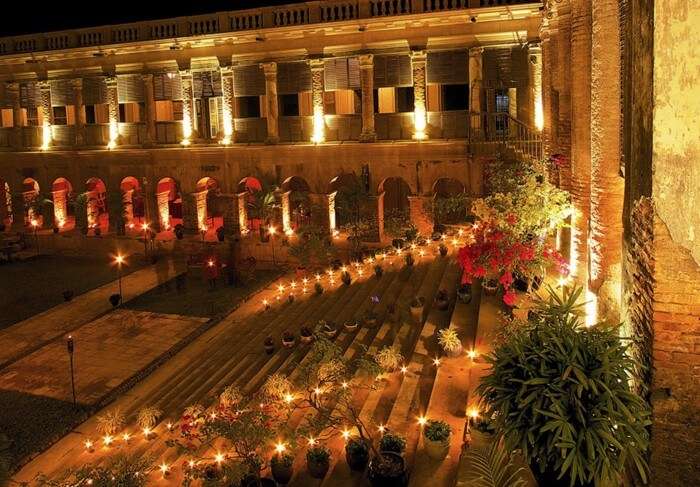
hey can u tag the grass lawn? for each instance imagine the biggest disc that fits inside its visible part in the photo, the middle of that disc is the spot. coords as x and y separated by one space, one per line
35 285
194 297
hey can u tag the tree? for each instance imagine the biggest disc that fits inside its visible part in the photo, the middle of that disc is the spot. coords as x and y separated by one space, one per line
359 223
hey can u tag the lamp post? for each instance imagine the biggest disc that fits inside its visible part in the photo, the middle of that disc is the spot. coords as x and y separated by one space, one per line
272 230
119 260
145 240
71 347
35 225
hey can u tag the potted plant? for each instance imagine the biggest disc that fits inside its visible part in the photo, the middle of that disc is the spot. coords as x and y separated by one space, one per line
288 339
269 345
179 231
281 466
357 454
389 358
328 328
408 259
115 299
371 318
464 293
378 270
220 234
483 425
416 307
490 286
393 443
318 461
436 436
387 469
587 369
443 249
346 278
397 243
306 334
318 288
442 300
450 342
351 325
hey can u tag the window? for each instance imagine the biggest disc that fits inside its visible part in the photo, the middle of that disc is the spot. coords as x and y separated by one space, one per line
455 97
248 106
404 99
131 112
90 114
6 119
32 117
289 105
60 117
177 110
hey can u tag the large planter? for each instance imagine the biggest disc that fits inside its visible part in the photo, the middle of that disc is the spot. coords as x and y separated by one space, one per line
251 482
280 472
464 293
357 455
388 471
437 450
416 308
489 286
317 469
455 352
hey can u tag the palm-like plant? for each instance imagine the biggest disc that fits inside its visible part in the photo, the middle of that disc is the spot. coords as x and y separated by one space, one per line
559 391
493 467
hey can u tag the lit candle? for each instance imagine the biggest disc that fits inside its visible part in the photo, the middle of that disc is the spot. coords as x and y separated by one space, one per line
422 420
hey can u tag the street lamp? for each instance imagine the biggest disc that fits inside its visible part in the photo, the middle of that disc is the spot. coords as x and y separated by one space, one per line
71 347
119 260
144 227
35 225
272 230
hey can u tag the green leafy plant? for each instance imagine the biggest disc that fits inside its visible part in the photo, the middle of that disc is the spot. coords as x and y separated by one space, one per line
318 453
493 466
110 422
559 391
312 247
81 218
389 358
351 210
449 340
148 417
230 396
282 459
122 471
437 430
392 442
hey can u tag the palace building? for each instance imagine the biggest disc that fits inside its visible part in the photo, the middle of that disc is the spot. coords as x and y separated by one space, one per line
185 119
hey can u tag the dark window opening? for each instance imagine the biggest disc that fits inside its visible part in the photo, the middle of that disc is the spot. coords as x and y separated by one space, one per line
60 117
289 105
248 107
404 99
122 112
32 117
455 97
376 100
90 115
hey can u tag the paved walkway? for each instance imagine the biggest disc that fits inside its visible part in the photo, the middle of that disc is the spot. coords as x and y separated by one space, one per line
29 335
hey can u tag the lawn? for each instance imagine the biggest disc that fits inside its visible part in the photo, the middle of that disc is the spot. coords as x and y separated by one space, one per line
32 286
192 295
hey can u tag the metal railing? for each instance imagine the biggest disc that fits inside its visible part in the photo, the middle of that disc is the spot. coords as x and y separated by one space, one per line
491 133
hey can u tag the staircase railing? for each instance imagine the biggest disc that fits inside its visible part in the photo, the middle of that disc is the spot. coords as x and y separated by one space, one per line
491 133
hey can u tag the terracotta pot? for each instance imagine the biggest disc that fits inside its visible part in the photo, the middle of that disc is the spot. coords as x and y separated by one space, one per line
383 477
437 450
306 339
281 473
489 286
288 343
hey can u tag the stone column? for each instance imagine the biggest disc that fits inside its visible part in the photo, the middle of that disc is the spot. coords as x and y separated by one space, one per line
317 92
231 214
580 66
189 213
13 95
607 187
546 88
535 77
200 199
150 205
150 98
420 113
79 108
60 208
113 107
270 70
418 215
367 86
286 212
47 114
243 213
380 216
228 103
324 214
163 209
476 86
189 124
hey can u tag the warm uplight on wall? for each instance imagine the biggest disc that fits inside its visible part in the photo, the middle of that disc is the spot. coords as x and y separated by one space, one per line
539 114
46 136
319 135
186 127
591 308
113 134
419 123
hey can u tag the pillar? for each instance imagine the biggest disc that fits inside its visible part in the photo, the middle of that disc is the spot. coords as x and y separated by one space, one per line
607 187
418 215
13 96
317 92
535 77
231 214
420 113
113 107
189 124
79 108
60 208
270 70
243 212
476 87
46 114
366 62
513 110
580 66
150 205
228 103
546 88
163 209
150 98
324 214
330 204
189 213
380 216
200 199
286 212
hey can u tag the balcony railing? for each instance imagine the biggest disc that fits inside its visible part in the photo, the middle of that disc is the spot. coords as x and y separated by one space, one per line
492 133
169 132
6 136
232 21
96 134
32 136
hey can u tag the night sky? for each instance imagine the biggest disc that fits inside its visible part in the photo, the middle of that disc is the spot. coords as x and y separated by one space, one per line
68 14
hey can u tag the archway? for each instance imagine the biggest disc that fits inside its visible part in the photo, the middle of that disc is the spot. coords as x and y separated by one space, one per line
296 206
62 191
209 215
31 198
169 203
253 207
132 202
395 206
449 201
96 193
345 206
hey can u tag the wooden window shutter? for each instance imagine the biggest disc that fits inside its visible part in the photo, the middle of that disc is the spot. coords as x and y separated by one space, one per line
392 70
342 74
94 91
130 88
206 84
61 93
29 95
448 67
293 78
248 81
167 86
